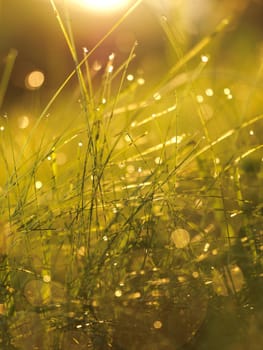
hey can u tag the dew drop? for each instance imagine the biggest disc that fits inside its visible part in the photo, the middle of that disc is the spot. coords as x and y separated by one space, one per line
244 239
207 245
130 77
23 122
199 98
97 66
158 160
238 277
209 92
38 185
204 58
140 81
118 293
47 278
157 324
195 274
81 252
94 303
181 279
112 56
110 68
135 295
157 96
121 165
127 138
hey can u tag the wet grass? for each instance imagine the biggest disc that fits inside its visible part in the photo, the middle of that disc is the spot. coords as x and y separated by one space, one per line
140 222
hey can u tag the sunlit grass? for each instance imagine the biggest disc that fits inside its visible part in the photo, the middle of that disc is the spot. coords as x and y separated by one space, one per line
140 206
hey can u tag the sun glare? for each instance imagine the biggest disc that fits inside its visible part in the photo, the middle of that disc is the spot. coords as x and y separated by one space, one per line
105 5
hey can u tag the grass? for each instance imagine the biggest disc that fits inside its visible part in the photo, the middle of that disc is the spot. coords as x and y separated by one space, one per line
154 218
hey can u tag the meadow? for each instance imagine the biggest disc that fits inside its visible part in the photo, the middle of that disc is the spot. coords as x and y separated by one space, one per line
131 209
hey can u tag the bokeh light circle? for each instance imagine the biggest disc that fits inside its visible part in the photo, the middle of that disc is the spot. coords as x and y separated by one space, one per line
180 237
34 80
23 122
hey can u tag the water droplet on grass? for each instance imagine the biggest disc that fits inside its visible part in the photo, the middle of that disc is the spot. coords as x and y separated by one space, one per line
204 58
199 98
47 278
110 68
118 293
140 81
207 245
157 324
97 66
209 92
130 77
157 96
158 160
38 185
112 56
23 122
195 274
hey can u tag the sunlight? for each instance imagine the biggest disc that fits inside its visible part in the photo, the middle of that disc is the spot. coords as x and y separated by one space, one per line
104 5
